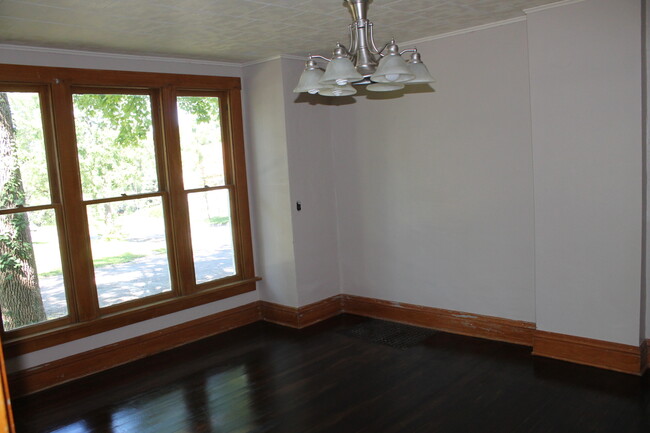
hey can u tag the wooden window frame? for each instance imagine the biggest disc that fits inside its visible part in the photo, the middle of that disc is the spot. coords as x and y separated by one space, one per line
56 87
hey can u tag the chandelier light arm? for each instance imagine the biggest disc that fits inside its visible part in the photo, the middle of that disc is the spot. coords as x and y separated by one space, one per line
381 52
408 50
371 41
316 56
354 43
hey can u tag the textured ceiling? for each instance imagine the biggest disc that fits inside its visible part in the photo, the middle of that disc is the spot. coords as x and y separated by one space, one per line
233 30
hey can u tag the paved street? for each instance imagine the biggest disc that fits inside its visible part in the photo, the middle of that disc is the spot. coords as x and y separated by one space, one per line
139 278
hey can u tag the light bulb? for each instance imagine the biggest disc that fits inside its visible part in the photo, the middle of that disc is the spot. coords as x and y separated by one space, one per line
392 77
312 91
341 82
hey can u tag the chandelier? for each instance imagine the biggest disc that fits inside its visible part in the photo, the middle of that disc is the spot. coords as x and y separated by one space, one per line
382 70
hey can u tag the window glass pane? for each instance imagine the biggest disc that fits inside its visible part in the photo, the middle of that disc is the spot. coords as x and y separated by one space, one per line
212 243
199 127
31 281
23 166
115 144
129 250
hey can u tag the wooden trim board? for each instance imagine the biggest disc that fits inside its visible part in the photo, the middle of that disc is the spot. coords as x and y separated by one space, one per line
84 364
602 354
301 317
456 322
596 353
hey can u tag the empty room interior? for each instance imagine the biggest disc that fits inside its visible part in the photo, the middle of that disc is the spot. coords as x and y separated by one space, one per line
207 227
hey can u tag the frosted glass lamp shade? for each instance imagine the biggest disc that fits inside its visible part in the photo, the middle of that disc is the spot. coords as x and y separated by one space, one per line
384 87
336 90
421 73
392 69
310 81
340 71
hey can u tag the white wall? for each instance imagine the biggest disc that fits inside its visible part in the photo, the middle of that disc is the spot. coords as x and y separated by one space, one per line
268 180
131 331
290 160
311 168
585 68
435 189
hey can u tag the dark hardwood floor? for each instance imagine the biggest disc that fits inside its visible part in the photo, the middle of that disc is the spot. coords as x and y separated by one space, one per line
348 374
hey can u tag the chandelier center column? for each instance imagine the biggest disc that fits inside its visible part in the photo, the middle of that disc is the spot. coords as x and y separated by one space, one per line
362 58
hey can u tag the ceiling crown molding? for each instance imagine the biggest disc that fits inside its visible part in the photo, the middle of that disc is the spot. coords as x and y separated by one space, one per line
551 6
270 59
117 56
467 30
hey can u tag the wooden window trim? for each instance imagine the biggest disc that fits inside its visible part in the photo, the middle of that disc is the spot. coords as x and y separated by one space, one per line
18 345
85 317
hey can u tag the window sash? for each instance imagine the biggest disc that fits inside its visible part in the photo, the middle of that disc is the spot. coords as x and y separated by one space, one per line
56 86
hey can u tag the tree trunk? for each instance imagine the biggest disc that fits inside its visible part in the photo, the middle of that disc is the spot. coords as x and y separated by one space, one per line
20 296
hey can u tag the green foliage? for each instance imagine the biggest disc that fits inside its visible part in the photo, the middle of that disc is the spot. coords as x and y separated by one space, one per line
30 147
12 194
219 220
115 144
53 273
205 110
101 262
29 184
116 260
200 132
128 115
15 251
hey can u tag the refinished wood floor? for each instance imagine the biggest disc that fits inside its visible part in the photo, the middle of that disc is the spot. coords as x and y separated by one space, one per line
348 374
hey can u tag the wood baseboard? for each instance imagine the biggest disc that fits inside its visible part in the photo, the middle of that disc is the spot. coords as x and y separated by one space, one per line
596 353
602 354
300 317
63 370
473 325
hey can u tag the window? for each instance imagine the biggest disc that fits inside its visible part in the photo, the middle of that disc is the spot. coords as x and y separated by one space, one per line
122 198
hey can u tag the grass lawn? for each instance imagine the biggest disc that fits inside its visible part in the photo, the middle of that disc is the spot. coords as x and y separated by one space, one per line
102 261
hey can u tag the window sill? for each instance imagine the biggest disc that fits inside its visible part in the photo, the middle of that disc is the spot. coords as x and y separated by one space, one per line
25 344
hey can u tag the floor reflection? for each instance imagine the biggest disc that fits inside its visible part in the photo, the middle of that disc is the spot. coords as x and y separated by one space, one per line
220 403
214 400
265 378
151 413
77 427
